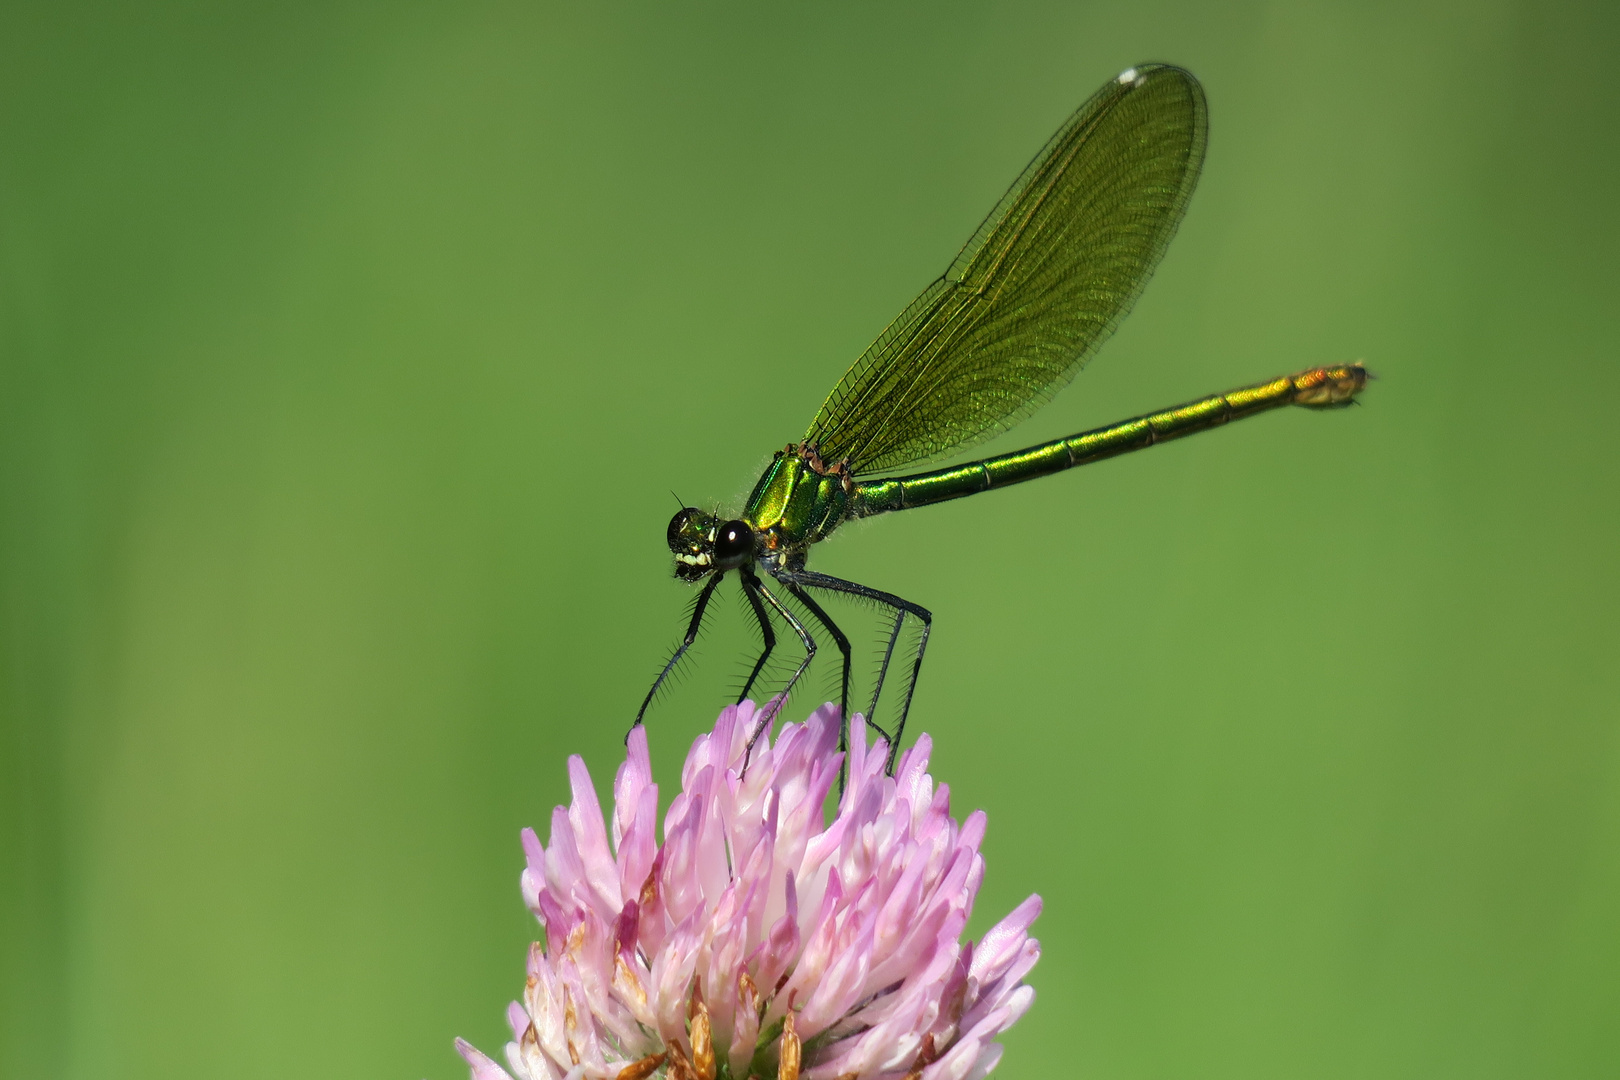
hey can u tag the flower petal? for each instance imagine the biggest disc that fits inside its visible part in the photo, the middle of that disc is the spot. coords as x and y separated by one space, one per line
482 1067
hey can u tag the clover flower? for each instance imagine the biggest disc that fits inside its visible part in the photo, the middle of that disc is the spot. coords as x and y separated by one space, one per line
759 940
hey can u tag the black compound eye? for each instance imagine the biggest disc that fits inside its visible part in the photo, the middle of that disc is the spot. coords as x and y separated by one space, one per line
734 542
680 526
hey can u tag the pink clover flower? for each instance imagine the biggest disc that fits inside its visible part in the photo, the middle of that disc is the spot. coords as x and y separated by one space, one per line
760 940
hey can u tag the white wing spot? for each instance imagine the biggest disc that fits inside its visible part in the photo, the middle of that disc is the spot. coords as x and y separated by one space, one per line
1129 77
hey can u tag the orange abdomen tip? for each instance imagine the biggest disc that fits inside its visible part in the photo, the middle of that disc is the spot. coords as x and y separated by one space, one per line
1329 387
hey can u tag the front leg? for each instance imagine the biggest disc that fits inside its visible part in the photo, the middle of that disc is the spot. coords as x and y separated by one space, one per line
680 650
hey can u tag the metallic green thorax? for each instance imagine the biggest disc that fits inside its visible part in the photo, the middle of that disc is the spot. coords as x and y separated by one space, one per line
800 499
797 502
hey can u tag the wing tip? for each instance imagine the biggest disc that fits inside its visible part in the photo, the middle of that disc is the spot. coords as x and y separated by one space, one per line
1138 75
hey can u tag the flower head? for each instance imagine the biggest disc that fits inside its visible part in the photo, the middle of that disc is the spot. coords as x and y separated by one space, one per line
760 941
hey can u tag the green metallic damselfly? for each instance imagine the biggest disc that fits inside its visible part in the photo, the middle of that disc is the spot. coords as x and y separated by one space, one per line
1030 297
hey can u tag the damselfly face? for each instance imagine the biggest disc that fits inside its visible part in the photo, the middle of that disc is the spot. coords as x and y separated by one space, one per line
702 543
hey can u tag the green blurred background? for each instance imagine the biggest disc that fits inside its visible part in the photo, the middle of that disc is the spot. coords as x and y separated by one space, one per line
349 354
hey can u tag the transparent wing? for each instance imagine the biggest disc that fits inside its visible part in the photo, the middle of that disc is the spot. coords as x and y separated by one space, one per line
1037 289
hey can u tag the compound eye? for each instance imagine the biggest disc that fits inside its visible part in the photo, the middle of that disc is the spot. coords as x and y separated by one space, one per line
734 543
679 526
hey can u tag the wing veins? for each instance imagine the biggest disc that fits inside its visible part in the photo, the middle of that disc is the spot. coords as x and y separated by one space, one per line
1037 288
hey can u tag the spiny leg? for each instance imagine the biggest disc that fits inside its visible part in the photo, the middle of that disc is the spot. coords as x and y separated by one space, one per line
805 639
883 668
680 650
843 647
904 606
843 696
751 587
911 688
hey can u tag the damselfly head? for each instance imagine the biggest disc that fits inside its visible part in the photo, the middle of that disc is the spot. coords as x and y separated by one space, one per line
702 543
691 541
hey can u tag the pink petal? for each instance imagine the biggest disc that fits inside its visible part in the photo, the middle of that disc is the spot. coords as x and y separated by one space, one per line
835 993
533 879
988 1059
633 777
775 955
1002 941
911 779
741 1051
679 884
482 1067
973 830
565 872
956 1063
528 1062
543 1000
639 844
585 815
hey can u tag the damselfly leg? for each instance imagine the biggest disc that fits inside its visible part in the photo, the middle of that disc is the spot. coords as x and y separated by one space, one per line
680 650
751 586
843 647
768 713
902 607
